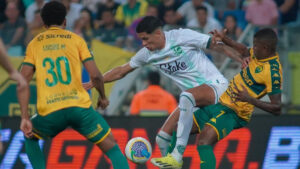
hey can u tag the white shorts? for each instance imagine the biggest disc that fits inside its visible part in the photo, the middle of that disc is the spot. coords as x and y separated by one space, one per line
219 89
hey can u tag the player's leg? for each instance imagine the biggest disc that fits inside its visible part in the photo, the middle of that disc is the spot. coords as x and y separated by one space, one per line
169 161
92 125
43 127
165 135
223 120
199 96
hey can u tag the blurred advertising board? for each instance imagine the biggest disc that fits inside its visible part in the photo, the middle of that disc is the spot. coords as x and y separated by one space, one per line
267 142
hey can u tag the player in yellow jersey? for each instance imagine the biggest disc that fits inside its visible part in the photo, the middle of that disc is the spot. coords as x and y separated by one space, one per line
56 56
262 76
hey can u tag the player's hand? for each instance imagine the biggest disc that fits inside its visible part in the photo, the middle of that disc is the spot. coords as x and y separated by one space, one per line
245 62
26 127
242 95
15 75
88 85
218 36
102 103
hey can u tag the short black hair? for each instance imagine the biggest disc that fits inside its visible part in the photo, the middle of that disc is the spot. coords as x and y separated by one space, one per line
148 25
53 13
268 37
154 77
201 8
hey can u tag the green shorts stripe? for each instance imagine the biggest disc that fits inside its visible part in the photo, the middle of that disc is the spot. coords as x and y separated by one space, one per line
221 118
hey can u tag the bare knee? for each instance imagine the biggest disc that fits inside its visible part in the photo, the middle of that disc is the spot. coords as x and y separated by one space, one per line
208 136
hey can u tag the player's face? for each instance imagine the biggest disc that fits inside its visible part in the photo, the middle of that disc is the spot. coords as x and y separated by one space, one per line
258 49
153 41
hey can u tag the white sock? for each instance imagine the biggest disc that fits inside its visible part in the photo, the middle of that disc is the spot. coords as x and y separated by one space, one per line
163 141
185 123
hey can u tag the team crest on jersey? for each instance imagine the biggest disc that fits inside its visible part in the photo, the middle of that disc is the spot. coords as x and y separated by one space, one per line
259 69
177 50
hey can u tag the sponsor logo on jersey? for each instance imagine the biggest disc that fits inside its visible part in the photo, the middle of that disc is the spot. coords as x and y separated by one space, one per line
172 67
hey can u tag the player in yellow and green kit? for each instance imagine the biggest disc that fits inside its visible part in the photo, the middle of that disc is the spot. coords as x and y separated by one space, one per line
56 56
262 76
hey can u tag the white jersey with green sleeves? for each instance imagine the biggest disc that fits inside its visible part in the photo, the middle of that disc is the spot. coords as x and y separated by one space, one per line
182 59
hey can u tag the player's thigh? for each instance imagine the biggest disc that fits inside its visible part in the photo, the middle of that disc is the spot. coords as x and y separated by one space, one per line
50 125
223 120
89 123
170 124
204 95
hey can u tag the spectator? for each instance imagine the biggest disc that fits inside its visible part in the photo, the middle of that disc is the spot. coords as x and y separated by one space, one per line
91 5
262 13
73 13
232 30
133 41
170 20
154 100
110 32
288 10
13 30
203 23
84 25
3 4
166 5
30 12
108 4
36 28
131 11
188 10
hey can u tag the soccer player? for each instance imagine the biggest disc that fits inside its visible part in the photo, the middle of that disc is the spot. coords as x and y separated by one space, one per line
263 76
179 55
56 56
13 73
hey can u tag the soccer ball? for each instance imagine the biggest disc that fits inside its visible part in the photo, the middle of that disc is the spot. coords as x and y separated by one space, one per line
138 150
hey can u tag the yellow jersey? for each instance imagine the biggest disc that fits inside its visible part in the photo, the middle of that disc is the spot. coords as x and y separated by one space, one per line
261 77
56 55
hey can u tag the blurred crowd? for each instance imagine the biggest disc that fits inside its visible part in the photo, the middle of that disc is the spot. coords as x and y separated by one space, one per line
114 21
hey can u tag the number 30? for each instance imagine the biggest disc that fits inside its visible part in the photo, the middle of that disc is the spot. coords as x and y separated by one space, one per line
57 77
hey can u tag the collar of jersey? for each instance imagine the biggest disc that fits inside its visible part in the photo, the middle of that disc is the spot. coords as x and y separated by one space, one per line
54 28
267 59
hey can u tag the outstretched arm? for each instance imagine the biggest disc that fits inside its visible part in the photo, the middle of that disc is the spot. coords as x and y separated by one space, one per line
222 48
241 48
117 73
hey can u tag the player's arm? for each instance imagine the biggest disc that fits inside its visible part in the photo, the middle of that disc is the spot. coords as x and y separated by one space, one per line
241 48
5 63
23 97
117 73
273 107
227 50
97 80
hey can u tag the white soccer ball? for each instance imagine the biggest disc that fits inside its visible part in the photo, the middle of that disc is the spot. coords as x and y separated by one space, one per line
138 150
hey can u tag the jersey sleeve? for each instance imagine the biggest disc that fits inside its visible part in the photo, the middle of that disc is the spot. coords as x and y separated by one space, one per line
84 52
135 105
274 80
193 38
29 57
140 58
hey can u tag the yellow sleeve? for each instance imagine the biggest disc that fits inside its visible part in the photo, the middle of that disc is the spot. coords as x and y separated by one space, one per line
273 78
84 52
119 14
29 58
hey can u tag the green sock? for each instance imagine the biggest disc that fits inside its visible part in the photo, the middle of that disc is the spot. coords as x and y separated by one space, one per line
117 158
173 142
208 159
35 154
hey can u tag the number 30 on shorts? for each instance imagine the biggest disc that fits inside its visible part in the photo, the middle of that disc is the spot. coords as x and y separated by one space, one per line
57 77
